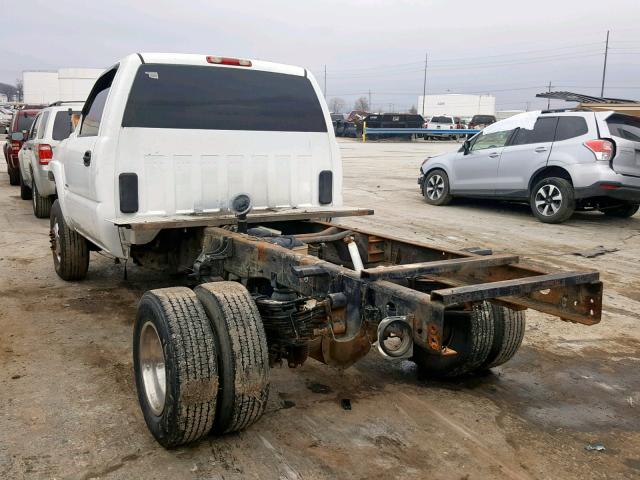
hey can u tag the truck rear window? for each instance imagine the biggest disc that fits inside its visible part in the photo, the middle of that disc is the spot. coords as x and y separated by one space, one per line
219 98
62 125
624 126
25 122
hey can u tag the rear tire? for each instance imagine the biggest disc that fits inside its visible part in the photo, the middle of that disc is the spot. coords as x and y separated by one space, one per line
70 249
41 205
25 191
175 366
470 334
243 358
552 200
508 332
14 176
435 188
623 211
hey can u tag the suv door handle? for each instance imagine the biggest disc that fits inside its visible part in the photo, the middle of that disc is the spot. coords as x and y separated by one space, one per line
540 149
86 158
494 155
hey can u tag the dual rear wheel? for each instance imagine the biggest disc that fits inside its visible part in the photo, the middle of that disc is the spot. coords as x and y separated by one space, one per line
200 360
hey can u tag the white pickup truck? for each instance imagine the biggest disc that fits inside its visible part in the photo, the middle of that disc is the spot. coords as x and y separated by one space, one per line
222 168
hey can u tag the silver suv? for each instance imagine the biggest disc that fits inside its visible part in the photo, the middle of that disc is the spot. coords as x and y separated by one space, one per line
569 161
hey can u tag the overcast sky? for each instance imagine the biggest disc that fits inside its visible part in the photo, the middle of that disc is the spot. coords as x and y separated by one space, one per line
512 49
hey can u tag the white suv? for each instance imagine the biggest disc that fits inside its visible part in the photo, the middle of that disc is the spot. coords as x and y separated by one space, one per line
51 126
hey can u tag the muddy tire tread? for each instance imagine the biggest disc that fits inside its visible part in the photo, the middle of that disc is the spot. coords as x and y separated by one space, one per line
41 205
247 362
509 327
193 358
74 261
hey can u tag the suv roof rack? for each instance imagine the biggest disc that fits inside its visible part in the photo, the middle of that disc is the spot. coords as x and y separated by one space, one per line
62 102
558 110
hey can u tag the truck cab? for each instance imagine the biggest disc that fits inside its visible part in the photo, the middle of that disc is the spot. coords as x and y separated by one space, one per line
163 136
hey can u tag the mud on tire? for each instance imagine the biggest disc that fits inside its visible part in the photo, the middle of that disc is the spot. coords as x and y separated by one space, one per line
185 345
243 359
25 191
70 249
470 334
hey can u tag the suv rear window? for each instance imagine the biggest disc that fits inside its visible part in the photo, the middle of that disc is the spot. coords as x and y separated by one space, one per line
221 98
483 119
624 126
62 126
441 120
25 122
571 127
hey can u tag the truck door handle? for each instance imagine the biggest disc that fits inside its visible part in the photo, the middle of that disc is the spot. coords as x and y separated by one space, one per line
494 155
86 158
540 149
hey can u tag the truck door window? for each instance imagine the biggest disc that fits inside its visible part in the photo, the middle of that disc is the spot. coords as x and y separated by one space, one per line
94 107
42 124
543 131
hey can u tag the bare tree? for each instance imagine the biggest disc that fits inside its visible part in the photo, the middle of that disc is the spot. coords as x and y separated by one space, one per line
413 109
337 105
361 104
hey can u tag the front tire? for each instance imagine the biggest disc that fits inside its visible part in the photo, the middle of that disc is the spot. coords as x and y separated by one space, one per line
41 205
70 249
552 200
243 357
623 211
508 332
435 188
175 366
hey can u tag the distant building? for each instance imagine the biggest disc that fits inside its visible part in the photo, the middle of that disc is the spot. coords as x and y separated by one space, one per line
502 114
457 105
3 98
67 84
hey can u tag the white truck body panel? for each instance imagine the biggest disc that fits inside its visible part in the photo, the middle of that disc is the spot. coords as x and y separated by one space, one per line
187 171
457 105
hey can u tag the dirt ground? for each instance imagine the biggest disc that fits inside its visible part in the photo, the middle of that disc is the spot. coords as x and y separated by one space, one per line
68 407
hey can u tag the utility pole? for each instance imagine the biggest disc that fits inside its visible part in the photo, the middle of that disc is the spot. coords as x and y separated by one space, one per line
548 99
370 106
325 82
424 84
604 67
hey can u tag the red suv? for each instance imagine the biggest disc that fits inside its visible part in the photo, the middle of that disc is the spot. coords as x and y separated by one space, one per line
20 124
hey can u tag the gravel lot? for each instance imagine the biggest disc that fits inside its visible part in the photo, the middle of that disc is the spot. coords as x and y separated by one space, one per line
68 407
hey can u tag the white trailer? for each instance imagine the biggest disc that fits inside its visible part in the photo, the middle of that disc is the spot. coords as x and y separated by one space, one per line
66 84
457 105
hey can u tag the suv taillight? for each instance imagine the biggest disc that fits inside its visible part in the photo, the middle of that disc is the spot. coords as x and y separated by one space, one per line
602 149
15 145
44 154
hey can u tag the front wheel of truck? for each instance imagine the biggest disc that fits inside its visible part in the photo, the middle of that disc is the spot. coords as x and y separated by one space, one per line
70 250
470 334
175 366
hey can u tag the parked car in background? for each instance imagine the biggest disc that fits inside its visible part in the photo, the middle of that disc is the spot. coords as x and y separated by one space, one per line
391 120
478 122
18 131
338 121
444 122
52 125
569 161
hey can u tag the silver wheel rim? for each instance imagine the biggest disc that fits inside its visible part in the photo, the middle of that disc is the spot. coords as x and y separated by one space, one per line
56 241
435 187
152 369
548 200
